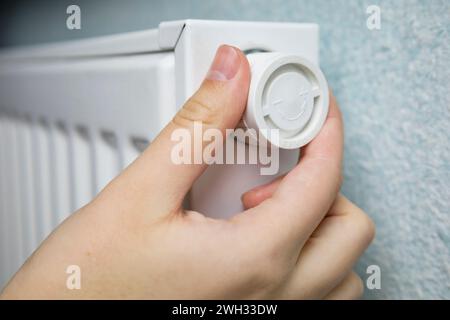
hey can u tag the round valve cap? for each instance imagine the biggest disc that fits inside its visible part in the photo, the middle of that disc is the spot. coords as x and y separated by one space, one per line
289 94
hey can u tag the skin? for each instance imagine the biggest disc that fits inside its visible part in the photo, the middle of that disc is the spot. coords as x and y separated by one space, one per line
297 239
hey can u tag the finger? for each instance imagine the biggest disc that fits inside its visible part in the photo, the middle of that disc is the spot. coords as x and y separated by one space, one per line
351 288
255 196
333 248
302 198
218 103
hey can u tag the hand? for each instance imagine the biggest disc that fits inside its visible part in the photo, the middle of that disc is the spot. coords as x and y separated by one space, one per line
297 239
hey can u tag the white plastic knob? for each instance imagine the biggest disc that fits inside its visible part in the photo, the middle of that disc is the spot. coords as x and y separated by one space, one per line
288 93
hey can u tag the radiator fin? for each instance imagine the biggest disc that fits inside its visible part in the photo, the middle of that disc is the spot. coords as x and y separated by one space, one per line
108 160
81 167
61 172
42 172
27 187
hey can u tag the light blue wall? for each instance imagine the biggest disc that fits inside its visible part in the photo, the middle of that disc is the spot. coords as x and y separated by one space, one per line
393 88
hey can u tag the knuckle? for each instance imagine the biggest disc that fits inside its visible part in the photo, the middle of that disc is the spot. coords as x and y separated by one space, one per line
363 225
358 222
367 227
357 286
197 110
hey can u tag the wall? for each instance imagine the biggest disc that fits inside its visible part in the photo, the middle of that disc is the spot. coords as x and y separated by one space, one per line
392 85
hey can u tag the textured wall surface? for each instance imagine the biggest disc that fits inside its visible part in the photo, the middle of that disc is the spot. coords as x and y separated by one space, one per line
393 88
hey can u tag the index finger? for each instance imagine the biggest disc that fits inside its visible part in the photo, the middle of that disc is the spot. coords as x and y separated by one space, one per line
306 193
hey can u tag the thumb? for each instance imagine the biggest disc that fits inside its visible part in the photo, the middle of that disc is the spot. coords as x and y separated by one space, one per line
218 103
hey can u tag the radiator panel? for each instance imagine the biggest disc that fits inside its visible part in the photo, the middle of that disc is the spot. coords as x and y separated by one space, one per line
66 129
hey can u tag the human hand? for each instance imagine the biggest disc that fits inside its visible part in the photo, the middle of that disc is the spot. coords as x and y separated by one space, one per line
298 238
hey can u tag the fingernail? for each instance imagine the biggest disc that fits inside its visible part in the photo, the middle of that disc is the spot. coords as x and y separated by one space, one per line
225 65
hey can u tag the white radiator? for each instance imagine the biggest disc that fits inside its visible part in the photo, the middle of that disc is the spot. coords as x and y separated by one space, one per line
73 115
